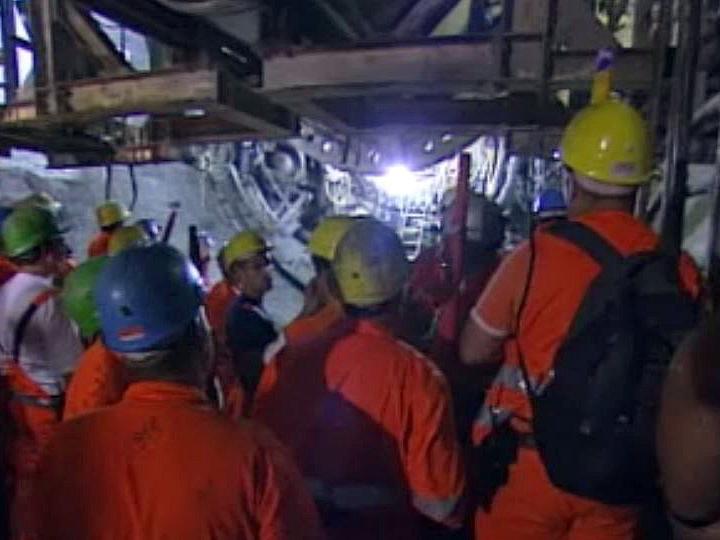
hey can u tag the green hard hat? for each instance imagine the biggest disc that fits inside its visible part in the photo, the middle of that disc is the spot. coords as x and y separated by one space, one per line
27 228
77 296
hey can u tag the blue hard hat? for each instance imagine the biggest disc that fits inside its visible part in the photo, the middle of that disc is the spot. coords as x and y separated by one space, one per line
147 298
151 227
550 203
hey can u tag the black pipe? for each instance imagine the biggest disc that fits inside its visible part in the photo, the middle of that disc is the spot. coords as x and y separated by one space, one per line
133 187
661 44
288 276
713 248
108 182
681 111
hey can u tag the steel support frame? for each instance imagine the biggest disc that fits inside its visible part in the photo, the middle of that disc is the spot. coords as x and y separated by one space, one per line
681 112
9 47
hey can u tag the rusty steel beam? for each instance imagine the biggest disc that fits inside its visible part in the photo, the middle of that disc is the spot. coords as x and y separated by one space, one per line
204 92
94 41
436 66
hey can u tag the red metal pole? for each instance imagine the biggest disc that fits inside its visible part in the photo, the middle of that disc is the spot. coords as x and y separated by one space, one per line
456 243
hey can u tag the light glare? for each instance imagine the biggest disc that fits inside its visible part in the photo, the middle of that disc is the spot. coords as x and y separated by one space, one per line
398 181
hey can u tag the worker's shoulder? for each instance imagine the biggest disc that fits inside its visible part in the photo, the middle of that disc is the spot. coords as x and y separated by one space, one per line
231 440
219 291
420 363
381 347
199 422
22 283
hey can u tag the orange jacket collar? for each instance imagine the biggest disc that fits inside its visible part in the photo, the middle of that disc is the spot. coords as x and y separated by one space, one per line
164 391
370 327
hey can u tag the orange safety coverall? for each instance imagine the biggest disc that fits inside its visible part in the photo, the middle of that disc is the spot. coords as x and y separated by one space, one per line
430 286
217 303
99 244
310 326
163 464
34 415
529 506
7 270
98 381
369 421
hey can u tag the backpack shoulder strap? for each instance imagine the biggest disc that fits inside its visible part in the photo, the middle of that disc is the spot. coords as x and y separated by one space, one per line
22 325
588 241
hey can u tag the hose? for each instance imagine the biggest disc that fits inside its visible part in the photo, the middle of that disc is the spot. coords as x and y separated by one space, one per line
288 276
133 187
108 181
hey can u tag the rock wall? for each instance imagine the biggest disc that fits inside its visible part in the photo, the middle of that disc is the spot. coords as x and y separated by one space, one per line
81 190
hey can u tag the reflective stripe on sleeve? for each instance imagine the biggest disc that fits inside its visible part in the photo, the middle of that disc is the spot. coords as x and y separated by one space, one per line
436 509
487 328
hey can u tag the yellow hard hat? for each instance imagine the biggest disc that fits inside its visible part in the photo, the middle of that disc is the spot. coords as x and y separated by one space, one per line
609 142
127 237
325 238
243 246
111 213
370 265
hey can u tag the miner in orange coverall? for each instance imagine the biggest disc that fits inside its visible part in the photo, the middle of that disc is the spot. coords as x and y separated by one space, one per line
100 377
163 463
111 215
367 417
39 343
323 306
607 153
220 298
7 270
444 286
217 303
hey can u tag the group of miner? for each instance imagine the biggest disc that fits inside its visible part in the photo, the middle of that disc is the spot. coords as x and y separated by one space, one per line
507 401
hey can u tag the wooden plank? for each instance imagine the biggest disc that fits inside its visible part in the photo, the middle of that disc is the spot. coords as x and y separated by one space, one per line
633 69
144 93
206 92
429 63
19 111
435 68
486 88
397 114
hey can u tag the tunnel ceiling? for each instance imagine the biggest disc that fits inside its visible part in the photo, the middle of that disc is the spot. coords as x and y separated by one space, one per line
357 69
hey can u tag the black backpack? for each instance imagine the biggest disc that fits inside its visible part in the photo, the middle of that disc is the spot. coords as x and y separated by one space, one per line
594 422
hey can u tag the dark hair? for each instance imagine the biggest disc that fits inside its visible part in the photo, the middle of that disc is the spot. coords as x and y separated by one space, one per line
371 312
112 228
35 254
181 362
321 265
